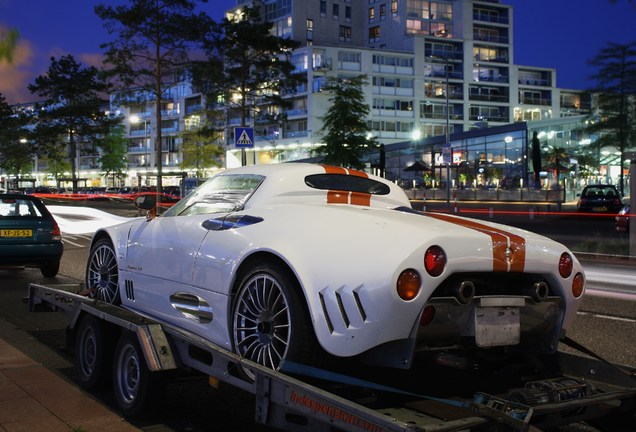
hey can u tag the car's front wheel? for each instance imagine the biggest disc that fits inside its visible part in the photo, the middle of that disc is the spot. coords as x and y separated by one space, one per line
102 274
269 320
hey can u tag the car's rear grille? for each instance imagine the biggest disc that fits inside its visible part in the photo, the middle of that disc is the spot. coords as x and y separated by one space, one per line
488 284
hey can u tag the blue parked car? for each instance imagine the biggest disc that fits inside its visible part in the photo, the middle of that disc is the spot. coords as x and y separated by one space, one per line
29 235
600 198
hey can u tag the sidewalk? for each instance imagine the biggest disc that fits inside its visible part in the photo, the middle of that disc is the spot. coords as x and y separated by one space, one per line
34 399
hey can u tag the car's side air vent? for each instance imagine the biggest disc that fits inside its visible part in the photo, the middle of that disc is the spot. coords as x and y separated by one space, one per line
326 313
342 307
130 292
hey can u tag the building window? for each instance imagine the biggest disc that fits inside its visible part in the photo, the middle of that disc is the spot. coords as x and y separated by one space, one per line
349 56
348 13
392 61
371 14
374 34
345 33
394 8
335 9
382 12
323 8
310 30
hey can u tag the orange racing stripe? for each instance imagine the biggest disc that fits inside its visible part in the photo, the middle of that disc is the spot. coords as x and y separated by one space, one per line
502 241
347 197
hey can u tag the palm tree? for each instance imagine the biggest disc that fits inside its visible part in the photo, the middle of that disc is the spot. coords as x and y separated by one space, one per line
555 157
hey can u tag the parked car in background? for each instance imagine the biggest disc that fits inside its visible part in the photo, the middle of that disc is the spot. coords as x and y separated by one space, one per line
29 234
287 261
600 198
622 219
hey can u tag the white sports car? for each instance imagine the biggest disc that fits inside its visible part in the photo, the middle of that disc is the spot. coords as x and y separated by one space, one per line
289 261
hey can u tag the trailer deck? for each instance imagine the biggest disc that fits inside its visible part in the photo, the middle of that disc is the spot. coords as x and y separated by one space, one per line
450 394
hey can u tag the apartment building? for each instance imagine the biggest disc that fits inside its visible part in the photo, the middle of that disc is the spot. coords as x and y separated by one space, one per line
434 69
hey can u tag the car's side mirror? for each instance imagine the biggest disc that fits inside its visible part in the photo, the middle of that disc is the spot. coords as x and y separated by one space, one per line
146 202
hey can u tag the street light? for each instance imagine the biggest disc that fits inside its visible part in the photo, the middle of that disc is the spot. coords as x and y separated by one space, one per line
446 149
135 119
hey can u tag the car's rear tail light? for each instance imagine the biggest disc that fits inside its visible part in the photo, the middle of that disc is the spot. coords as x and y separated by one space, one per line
427 315
435 260
408 284
566 265
578 283
56 234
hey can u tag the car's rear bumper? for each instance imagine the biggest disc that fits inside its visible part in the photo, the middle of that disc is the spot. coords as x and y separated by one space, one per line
30 254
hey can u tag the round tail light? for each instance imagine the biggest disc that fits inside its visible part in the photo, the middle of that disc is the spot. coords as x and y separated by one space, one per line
427 315
434 260
566 265
578 283
408 284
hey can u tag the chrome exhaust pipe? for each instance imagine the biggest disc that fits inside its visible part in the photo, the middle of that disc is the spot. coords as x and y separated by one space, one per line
539 291
465 292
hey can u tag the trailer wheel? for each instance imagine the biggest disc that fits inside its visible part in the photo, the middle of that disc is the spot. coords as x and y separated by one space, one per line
135 388
93 353
269 322
102 274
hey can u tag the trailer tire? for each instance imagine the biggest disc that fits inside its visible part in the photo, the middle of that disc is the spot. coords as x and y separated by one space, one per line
93 353
136 389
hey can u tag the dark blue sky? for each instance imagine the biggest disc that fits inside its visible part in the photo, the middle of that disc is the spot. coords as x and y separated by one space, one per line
562 34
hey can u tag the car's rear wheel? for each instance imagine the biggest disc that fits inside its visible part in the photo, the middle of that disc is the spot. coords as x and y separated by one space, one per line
102 274
50 268
269 320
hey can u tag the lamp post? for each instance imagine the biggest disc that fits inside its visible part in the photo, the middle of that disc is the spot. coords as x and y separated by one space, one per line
135 119
447 153
447 135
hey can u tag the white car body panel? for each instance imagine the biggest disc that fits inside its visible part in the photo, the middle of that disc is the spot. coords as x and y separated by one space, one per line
346 257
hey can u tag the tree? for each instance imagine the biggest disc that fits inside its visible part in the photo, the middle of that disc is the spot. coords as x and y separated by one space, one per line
72 111
8 41
150 52
616 88
345 127
16 150
248 67
200 150
556 158
114 150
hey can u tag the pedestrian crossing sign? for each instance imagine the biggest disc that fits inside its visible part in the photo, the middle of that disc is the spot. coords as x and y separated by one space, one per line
244 137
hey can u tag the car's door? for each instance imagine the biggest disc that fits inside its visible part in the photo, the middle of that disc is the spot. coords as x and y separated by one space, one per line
158 275
164 249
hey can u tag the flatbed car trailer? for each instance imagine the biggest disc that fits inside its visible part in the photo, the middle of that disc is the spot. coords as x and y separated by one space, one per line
583 391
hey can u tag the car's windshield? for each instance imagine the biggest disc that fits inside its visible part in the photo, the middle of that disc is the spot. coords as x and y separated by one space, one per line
221 194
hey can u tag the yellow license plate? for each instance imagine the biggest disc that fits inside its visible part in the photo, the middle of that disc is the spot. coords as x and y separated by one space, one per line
16 233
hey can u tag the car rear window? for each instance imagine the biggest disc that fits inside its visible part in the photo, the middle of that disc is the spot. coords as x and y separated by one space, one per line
344 182
600 191
19 207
